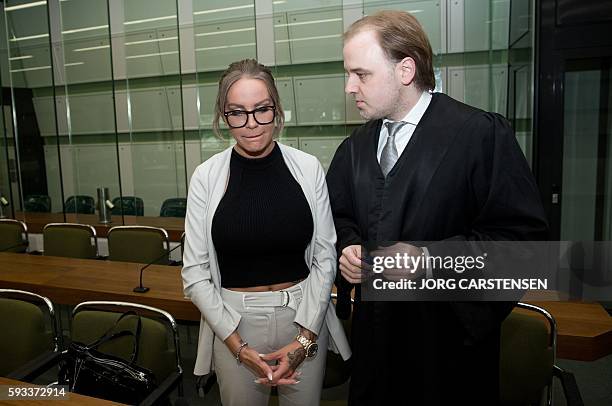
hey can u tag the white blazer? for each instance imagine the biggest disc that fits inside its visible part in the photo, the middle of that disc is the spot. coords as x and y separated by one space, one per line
201 277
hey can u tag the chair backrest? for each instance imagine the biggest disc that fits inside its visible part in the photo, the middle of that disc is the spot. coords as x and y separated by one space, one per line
13 236
175 207
70 240
158 347
29 328
140 244
37 203
527 356
132 206
80 204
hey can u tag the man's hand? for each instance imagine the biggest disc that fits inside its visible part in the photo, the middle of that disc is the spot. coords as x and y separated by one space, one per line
289 358
411 261
351 264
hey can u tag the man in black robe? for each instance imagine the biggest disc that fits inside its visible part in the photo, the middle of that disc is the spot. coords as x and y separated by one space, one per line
450 172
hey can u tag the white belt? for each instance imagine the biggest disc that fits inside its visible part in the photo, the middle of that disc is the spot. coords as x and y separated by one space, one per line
289 297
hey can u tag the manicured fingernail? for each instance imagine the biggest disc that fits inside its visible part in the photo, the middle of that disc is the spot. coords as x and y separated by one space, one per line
269 377
257 381
298 373
296 382
261 355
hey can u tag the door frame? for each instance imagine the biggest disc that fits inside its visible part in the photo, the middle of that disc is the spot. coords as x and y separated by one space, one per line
556 44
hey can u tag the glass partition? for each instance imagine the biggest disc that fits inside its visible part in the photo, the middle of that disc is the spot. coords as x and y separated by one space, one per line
130 104
153 106
310 76
88 140
28 79
477 56
224 32
521 77
7 182
307 31
6 138
587 124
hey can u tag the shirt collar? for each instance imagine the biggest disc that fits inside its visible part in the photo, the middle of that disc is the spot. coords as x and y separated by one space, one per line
416 113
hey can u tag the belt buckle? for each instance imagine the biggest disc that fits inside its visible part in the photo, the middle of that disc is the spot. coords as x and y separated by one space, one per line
285 303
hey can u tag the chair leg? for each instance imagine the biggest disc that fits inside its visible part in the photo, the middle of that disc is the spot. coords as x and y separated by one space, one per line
570 387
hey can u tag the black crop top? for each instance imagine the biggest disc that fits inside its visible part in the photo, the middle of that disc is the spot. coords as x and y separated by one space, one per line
263 224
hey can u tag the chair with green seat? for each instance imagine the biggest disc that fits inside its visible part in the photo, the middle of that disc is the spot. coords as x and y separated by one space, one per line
175 207
82 204
141 244
13 236
37 203
527 360
132 206
158 347
30 341
70 240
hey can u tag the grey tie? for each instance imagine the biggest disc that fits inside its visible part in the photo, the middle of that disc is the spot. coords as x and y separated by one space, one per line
389 155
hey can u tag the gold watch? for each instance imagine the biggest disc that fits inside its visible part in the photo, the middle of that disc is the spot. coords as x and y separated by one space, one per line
310 346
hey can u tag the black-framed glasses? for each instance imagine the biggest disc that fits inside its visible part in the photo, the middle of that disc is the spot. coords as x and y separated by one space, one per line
239 118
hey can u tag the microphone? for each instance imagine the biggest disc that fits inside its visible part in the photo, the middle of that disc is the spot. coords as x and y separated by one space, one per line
144 289
3 203
10 247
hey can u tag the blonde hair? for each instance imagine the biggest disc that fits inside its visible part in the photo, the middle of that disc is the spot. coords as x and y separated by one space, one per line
247 68
400 35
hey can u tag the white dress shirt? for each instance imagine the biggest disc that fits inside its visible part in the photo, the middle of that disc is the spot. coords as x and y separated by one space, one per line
403 135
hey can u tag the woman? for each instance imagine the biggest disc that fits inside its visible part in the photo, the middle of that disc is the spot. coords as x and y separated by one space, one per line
259 257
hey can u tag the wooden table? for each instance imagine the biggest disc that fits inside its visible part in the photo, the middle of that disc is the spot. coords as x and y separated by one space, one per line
37 221
584 330
72 398
71 281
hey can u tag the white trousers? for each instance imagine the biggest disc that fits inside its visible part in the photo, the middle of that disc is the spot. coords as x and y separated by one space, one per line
267 325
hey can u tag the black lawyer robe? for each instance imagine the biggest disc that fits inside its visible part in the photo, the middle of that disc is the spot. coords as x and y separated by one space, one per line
462 176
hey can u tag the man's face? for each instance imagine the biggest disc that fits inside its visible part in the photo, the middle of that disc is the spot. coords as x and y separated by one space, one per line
372 78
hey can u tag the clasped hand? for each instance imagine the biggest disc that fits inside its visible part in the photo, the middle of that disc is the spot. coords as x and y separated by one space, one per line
284 372
352 266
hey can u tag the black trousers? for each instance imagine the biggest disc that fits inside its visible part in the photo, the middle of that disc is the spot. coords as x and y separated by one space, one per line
417 353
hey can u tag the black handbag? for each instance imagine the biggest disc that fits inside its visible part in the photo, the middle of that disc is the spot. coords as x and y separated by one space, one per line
90 372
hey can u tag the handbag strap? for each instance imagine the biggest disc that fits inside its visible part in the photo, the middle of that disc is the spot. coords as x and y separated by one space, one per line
109 335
